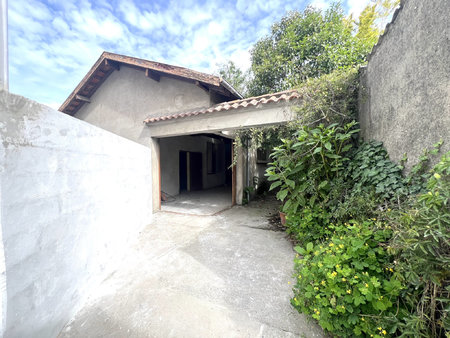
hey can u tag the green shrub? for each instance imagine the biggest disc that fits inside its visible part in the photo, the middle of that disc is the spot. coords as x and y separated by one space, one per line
422 239
308 224
306 170
348 283
331 98
355 206
420 172
304 167
388 272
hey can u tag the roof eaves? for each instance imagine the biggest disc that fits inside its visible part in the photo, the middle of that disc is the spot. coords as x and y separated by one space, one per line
231 105
82 82
72 104
231 88
165 68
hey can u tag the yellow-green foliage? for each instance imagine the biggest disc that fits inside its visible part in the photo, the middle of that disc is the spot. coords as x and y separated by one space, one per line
367 30
372 21
348 283
422 242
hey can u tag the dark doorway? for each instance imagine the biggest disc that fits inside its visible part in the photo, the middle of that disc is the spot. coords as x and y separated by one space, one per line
183 171
195 166
205 184
191 177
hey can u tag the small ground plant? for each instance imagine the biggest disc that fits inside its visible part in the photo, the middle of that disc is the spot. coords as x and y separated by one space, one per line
347 282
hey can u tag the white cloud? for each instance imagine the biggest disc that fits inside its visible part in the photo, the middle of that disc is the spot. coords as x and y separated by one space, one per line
242 59
355 7
54 105
60 25
320 4
53 46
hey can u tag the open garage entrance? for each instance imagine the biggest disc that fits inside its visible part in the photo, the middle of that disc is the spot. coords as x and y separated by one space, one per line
208 131
196 174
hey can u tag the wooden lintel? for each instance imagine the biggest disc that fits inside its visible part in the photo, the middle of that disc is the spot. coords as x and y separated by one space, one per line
112 64
202 86
152 75
82 98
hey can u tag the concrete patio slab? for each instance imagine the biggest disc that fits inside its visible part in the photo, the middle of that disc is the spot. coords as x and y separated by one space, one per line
202 202
200 276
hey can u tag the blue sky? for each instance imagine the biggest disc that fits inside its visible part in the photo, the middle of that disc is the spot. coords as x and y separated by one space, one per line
53 43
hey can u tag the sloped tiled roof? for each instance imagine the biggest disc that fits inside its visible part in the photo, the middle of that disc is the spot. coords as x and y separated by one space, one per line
108 62
285 96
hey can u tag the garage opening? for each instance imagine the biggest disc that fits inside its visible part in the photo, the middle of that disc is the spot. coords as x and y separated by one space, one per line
196 174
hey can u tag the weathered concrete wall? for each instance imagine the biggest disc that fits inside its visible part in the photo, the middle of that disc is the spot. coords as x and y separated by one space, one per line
170 162
263 115
128 97
405 99
73 196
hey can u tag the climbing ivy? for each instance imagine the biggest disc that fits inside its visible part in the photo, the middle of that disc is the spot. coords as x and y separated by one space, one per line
371 170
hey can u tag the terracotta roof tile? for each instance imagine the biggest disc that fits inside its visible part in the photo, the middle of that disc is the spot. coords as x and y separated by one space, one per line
225 106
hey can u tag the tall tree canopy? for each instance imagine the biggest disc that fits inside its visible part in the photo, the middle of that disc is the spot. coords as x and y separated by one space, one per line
234 76
303 45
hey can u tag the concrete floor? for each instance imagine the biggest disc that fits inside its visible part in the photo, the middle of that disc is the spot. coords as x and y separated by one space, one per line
200 276
202 202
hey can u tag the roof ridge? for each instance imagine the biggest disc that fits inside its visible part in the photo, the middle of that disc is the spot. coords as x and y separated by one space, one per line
109 61
111 55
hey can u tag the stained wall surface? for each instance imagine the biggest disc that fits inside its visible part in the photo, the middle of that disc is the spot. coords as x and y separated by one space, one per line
73 198
128 97
405 95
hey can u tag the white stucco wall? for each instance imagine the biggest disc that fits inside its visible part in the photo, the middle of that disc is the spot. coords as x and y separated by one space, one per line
128 97
170 162
73 196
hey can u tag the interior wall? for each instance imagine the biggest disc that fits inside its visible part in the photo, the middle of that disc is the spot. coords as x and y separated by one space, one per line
261 172
169 161
73 198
